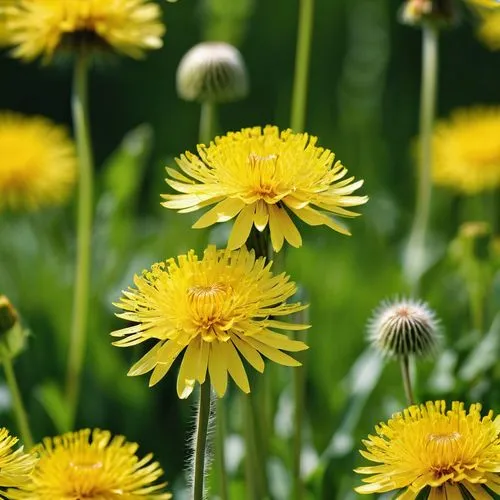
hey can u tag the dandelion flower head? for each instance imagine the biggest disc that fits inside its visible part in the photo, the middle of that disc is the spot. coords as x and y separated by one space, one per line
404 327
467 150
214 309
37 162
261 176
16 466
449 451
41 27
93 465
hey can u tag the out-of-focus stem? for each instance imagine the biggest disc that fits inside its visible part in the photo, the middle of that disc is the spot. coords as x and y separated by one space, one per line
19 410
84 234
405 374
415 255
208 119
220 452
302 58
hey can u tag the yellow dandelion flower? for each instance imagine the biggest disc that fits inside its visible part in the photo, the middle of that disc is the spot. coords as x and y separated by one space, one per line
449 451
37 162
15 465
215 309
41 27
259 177
466 150
93 465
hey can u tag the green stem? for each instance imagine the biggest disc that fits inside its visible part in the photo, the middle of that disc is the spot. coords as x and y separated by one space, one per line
302 58
405 373
255 453
84 235
221 455
208 118
428 94
299 386
201 441
19 411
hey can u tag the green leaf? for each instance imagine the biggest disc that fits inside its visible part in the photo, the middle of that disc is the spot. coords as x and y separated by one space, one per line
484 356
50 396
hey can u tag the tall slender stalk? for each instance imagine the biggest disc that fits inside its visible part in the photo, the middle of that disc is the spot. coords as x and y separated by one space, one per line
415 255
208 118
405 372
84 233
302 58
299 106
19 411
201 441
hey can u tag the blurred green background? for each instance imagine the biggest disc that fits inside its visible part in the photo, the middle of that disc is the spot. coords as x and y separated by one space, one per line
363 104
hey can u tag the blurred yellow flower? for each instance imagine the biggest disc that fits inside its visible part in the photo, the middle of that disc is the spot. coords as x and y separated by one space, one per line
484 3
92 465
467 150
261 176
489 30
15 466
41 27
215 307
450 451
37 162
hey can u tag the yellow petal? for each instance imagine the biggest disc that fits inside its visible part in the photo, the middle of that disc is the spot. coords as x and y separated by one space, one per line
283 325
222 212
249 353
147 362
241 228
189 369
217 368
289 229
166 356
261 217
477 491
315 218
273 354
175 174
280 341
277 236
235 366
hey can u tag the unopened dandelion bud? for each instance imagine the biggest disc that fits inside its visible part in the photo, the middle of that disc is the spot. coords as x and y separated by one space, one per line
214 72
8 315
418 12
404 327
12 334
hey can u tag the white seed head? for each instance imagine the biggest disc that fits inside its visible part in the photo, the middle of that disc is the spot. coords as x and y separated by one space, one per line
212 71
404 327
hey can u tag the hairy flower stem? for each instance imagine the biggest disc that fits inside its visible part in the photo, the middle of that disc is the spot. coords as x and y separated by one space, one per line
208 126
19 411
415 254
208 122
405 374
201 441
302 58
84 234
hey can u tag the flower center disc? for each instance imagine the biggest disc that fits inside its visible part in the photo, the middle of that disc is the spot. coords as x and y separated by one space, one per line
444 451
207 301
262 174
83 466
